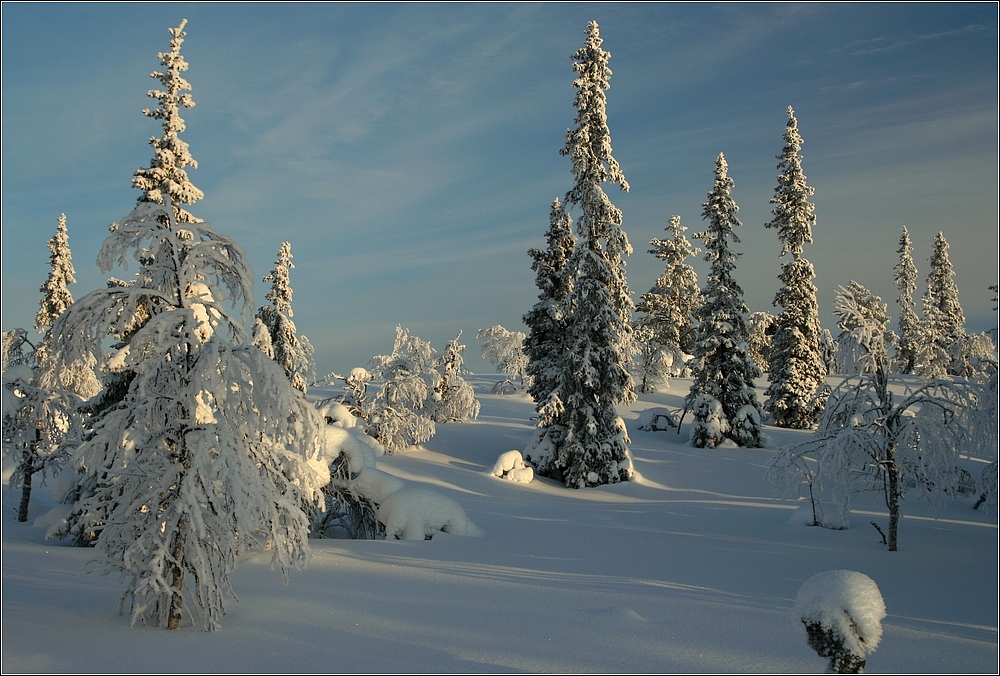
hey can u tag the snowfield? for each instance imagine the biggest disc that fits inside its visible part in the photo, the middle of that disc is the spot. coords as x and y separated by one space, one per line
691 567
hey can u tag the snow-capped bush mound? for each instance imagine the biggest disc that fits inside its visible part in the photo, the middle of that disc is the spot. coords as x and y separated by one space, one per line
377 485
657 419
510 465
842 611
338 415
418 513
353 445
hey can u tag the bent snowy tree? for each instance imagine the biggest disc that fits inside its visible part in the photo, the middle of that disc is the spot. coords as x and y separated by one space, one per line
211 451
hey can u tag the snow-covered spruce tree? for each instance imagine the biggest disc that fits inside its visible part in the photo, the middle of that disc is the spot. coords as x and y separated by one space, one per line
402 412
867 440
797 370
166 173
668 308
722 365
211 452
598 335
905 278
288 348
546 340
455 400
505 350
78 378
943 322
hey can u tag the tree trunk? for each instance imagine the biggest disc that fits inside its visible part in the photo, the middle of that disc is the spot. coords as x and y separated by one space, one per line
22 509
893 477
177 580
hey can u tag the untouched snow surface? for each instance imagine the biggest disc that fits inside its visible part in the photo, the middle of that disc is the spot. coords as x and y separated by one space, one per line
691 567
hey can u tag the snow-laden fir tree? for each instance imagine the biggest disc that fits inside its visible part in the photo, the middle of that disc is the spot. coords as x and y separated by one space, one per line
505 350
211 452
943 322
723 368
905 278
598 338
292 351
546 340
664 330
167 172
402 412
868 440
455 400
797 370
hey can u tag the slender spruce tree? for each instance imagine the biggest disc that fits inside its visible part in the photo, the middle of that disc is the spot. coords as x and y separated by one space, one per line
597 345
909 322
796 368
723 395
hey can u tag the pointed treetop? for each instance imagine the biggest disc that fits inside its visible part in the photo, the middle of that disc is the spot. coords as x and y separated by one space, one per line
55 292
794 215
166 172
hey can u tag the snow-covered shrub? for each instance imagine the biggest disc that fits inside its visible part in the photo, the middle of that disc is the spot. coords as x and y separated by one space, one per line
417 513
505 350
510 465
455 400
658 419
710 425
842 611
402 412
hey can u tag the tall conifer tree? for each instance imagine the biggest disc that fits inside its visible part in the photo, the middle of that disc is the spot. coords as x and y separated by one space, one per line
909 322
286 345
943 322
598 343
796 367
723 394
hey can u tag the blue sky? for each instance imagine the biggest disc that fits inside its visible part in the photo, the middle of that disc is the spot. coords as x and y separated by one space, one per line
410 152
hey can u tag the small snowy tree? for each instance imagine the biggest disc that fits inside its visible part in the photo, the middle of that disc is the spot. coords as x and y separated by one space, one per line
36 421
722 365
292 351
797 370
455 400
402 412
868 440
909 323
598 339
17 349
505 350
167 173
943 321
546 322
211 452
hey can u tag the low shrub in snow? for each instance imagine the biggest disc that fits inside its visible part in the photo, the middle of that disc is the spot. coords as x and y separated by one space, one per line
842 611
658 419
511 465
418 513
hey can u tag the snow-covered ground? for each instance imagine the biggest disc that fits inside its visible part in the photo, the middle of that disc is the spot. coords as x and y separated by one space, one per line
691 567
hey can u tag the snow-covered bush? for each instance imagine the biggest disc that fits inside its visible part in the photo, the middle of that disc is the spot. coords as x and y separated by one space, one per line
505 350
511 465
418 513
658 419
455 399
710 424
402 411
842 611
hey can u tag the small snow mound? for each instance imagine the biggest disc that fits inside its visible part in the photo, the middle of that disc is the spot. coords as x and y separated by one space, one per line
377 485
511 465
338 415
657 419
418 513
846 602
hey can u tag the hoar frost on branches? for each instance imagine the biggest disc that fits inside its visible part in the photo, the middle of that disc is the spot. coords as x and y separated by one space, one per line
870 439
455 400
797 371
402 412
589 373
211 452
664 333
505 350
723 394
